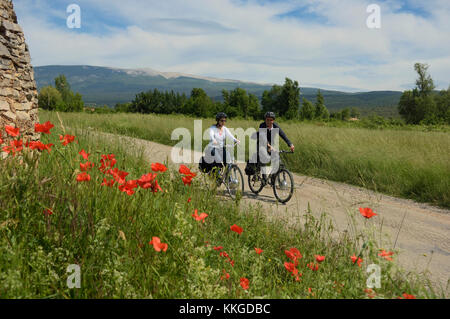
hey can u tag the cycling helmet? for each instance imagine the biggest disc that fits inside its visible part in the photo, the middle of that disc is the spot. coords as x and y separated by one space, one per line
269 114
220 115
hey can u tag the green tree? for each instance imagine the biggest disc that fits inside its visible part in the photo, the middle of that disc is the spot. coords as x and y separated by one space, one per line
424 82
345 114
50 98
307 110
200 104
289 101
321 112
354 112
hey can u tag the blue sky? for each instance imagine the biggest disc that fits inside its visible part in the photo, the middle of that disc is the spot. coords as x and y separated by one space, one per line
324 43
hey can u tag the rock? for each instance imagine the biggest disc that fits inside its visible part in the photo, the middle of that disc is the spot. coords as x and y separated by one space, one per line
11 26
4 52
4 105
23 116
23 106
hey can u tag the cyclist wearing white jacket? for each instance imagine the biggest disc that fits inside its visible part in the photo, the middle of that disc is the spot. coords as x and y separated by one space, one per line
218 134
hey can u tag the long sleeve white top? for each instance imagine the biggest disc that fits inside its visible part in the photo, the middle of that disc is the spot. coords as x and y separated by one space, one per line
219 137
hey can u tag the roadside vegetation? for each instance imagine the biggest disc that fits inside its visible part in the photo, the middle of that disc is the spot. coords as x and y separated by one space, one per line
138 229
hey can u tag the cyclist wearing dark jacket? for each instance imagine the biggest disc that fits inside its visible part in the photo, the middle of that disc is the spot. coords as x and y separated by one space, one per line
270 124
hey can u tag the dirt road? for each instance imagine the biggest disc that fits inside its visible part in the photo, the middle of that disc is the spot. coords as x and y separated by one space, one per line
420 232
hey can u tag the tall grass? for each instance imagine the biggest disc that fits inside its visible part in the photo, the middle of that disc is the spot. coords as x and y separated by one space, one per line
406 163
107 232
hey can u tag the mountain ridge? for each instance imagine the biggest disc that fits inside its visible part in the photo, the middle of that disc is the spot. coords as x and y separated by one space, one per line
109 85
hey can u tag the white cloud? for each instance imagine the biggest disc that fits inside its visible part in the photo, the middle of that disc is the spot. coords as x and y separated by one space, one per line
244 40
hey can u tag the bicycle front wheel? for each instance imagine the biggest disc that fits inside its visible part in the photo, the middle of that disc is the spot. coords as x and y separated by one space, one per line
283 186
234 182
255 183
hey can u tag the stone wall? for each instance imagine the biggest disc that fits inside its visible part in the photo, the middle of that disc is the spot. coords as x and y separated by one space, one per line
18 93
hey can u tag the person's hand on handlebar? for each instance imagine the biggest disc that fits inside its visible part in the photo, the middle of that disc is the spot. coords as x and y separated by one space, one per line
292 148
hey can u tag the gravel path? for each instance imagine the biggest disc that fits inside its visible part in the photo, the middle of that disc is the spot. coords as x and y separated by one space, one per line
419 231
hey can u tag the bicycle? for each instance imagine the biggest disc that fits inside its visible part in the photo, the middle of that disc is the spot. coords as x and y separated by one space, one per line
229 174
282 181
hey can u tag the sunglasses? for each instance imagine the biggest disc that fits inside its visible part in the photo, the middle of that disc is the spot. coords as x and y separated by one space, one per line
222 120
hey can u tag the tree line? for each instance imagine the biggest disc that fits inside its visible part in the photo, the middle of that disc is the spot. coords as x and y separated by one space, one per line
60 97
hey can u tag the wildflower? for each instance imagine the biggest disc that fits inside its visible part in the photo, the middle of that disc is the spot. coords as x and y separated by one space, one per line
146 180
128 187
236 229
357 260
293 270
109 183
187 180
370 292
157 244
293 254
107 161
367 212
43 128
12 131
118 175
407 296
313 266
86 166
225 275
84 154
83 177
186 171
189 200
224 254
158 167
1 141
201 217
39 145
67 139
48 212
13 147
386 255
319 258
245 283
218 248
258 250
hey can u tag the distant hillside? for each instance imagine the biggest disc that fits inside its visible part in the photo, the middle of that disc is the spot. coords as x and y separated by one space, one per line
104 85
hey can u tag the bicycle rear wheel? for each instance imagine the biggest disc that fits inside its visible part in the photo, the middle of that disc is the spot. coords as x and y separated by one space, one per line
283 186
255 183
234 182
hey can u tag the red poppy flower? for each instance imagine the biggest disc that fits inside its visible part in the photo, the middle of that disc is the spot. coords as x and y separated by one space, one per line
231 263
13 147
39 146
289 266
146 180
43 128
107 161
370 293
293 254
236 229
128 187
407 296
189 200
67 139
224 254
157 244
48 212
313 266
258 250
1 141
367 212
118 175
200 217
12 131
218 248
86 166
83 177
386 255
187 180
158 167
186 171
225 275
245 283
84 154
109 183
357 260
319 258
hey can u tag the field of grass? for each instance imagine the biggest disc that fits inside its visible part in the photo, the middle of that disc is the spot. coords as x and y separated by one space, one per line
107 232
409 163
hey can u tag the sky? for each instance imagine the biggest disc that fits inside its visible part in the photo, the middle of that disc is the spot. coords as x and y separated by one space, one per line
319 43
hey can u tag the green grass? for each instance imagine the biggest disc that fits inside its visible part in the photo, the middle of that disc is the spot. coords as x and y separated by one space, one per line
408 163
107 233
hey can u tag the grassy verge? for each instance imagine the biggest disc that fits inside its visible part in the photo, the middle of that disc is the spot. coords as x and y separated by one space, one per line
405 163
107 232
